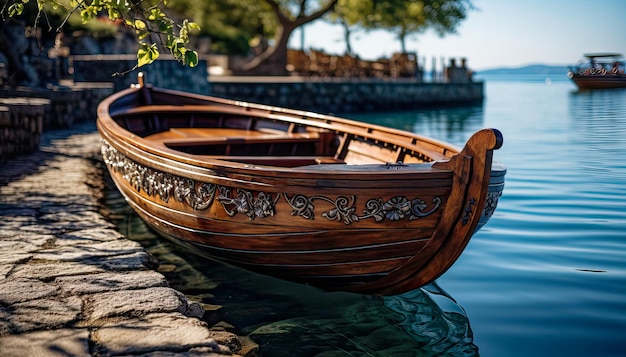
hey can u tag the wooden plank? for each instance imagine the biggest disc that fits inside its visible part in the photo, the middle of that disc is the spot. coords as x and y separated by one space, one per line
208 136
282 161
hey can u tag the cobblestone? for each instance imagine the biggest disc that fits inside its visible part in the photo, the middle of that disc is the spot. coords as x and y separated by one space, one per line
70 284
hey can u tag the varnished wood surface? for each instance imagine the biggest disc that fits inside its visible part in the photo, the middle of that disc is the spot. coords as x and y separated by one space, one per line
190 135
337 204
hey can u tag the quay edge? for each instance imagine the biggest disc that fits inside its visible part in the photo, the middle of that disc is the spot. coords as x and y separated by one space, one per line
342 96
316 94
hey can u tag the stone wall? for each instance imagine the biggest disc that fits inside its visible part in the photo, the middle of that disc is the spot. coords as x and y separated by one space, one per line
165 72
26 112
21 125
346 96
324 95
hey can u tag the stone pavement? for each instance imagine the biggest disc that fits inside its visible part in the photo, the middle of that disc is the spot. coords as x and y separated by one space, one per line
70 284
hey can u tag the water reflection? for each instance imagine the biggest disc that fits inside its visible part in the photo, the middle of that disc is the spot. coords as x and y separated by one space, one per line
432 317
598 120
453 125
288 319
410 324
605 106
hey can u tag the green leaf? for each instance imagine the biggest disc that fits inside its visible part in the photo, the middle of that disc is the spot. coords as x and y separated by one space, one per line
84 16
177 53
156 14
184 35
89 13
147 54
165 25
176 43
16 10
139 25
191 58
170 41
114 14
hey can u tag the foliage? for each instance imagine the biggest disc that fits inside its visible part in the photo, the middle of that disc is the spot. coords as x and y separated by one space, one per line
402 17
231 24
234 24
153 27
406 17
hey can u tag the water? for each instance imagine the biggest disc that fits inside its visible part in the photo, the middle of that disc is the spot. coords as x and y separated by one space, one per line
545 277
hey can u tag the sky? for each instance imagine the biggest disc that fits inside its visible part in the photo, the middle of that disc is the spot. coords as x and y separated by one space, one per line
499 33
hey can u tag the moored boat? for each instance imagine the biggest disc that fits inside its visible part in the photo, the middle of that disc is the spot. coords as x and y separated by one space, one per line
316 199
599 71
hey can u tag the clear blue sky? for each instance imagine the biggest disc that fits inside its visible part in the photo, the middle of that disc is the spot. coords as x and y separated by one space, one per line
499 33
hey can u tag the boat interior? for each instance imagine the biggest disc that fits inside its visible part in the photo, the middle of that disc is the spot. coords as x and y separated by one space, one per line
234 134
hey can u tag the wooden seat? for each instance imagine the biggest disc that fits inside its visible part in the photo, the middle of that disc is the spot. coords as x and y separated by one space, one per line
239 142
280 161
181 138
216 136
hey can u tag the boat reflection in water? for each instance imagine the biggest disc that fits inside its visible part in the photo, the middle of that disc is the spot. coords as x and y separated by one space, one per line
434 318
422 322
288 319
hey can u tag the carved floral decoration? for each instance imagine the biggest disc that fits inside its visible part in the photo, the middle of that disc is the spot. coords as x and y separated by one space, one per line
491 203
395 209
200 196
245 202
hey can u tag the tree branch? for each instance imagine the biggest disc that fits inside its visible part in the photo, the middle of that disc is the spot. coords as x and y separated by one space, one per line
316 15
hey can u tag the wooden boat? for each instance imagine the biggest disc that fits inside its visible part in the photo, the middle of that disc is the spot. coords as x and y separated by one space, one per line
599 71
316 199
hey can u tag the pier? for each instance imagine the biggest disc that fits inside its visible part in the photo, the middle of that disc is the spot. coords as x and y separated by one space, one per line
337 95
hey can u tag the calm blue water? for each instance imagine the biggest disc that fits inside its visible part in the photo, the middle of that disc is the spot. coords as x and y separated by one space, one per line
545 277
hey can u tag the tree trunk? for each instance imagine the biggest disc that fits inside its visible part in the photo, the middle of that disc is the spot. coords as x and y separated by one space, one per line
346 36
273 61
402 37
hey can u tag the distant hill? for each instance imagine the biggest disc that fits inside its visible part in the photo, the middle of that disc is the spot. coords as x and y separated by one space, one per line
538 69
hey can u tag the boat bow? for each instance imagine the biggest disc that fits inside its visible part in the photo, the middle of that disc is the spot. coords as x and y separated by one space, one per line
472 169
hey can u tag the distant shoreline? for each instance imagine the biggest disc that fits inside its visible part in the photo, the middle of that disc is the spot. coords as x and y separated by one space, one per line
547 70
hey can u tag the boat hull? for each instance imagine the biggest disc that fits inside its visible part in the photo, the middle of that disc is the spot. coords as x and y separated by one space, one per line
375 228
608 81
